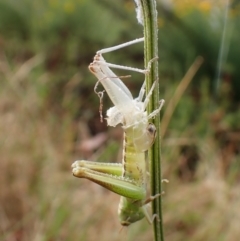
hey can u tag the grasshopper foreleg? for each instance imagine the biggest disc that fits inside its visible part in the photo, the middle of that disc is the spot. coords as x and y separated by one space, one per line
146 213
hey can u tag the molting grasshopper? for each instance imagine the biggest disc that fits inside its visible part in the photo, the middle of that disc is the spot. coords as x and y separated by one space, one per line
128 179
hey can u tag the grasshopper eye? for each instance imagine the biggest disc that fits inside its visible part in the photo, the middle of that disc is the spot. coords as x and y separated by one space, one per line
151 130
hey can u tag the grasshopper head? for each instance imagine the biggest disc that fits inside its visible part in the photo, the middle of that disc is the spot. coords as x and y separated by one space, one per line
144 136
130 216
130 211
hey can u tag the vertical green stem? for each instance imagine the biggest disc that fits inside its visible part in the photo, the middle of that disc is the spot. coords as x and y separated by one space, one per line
151 51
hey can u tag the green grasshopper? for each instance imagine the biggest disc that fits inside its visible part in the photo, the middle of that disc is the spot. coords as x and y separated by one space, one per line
128 179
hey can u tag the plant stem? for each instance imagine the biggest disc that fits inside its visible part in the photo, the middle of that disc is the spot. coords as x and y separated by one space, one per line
151 51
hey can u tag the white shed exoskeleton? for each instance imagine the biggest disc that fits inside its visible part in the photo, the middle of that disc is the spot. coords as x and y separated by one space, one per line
128 179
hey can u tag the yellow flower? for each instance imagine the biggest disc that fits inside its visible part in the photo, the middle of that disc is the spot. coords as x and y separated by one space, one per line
204 6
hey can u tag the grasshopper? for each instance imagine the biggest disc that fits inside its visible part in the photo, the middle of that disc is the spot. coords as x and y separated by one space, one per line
128 179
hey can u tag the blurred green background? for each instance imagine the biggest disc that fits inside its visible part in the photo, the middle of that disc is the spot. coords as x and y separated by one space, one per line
49 117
